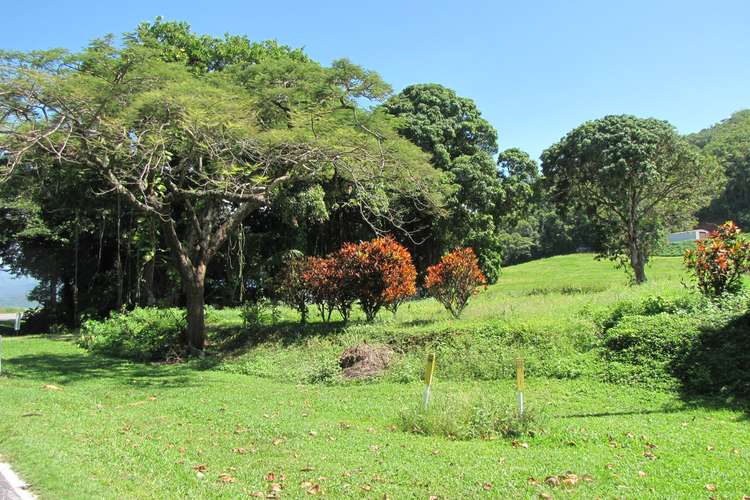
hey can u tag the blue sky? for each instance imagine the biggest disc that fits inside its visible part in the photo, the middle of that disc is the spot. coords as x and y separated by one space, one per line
535 69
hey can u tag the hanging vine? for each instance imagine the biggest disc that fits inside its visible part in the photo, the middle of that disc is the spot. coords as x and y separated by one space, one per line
241 260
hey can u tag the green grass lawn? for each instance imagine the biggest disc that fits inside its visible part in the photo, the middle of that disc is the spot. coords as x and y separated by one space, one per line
77 425
118 430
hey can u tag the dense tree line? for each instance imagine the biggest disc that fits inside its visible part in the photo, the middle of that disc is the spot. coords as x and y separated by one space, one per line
176 169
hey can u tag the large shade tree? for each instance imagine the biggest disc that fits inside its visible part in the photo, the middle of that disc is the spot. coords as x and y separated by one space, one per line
635 177
198 150
451 129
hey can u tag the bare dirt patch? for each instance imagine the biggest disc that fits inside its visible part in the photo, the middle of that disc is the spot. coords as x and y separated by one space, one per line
365 360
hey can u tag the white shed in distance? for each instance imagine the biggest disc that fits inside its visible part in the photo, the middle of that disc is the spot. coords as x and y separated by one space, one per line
692 235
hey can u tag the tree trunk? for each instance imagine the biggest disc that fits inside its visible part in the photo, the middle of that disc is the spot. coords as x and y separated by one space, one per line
148 280
196 323
637 262
639 269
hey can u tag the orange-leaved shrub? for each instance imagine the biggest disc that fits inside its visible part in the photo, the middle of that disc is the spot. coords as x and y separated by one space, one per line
719 261
378 273
454 279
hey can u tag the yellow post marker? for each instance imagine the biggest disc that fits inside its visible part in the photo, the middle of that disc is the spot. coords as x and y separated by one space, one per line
429 371
520 380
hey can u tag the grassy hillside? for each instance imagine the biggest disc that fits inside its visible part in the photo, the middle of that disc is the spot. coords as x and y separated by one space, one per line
273 417
544 311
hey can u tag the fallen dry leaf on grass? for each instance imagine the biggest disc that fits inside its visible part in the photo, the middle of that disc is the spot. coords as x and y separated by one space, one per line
276 487
239 451
487 486
277 441
568 479
545 496
200 468
711 487
517 444
649 455
641 473
51 387
366 487
226 478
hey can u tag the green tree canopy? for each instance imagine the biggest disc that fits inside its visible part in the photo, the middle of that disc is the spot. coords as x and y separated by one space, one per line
452 131
729 142
635 176
442 123
200 151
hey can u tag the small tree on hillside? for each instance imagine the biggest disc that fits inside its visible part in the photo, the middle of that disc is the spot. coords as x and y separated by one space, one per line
633 177
380 273
292 289
719 262
454 279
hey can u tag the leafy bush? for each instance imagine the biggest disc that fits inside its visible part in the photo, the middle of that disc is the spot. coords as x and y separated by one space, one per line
718 359
380 273
699 344
719 262
292 289
649 306
454 279
143 334
461 419
259 312
644 349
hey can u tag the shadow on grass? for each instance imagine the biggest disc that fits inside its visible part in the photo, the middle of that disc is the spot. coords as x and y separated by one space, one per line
715 370
661 411
76 367
236 340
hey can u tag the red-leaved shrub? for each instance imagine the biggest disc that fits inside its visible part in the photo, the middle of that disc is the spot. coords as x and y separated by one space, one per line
454 279
323 279
719 261
379 273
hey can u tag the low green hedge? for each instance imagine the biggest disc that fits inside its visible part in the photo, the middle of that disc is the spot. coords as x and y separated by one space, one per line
143 334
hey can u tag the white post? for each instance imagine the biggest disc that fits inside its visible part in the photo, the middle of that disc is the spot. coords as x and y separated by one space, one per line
520 382
1 354
427 396
17 326
428 373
